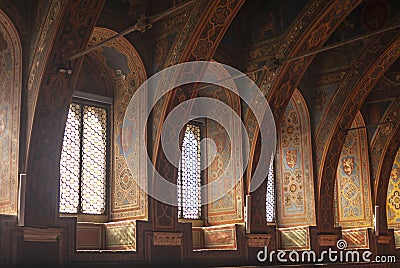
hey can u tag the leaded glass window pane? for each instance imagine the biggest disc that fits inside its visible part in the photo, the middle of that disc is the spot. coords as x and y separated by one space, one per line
70 162
270 199
189 180
94 149
83 166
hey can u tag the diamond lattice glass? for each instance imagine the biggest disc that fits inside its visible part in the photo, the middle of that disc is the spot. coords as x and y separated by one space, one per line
189 180
270 199
84 161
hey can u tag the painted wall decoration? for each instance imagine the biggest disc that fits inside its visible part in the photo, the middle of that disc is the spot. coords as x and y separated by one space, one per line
294 182
128 200
397 239
229 208
10 98
295 238
215 237
356 238
353 207
121 235
220 237
45 29
393 195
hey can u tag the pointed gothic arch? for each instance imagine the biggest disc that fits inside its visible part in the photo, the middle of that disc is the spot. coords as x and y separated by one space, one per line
294 180
294 175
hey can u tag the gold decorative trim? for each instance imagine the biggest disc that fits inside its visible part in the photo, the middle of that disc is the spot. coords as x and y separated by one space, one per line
258 240
167 239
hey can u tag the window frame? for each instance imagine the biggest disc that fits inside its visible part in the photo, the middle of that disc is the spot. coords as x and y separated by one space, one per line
87 99
201 221
274 206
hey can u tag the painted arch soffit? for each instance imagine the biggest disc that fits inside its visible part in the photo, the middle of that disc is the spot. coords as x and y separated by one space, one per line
128 200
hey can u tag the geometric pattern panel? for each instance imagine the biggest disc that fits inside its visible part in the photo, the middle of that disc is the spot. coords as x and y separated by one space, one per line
393 195
294 182
270 196
70 161
10 88
397 238
128 201
353 207
295 238
356 238
94 160
121 235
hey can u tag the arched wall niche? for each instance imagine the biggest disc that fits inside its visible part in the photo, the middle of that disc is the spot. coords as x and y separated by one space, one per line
228 209
353 206
393 199
10 100
120 71
294 176
221 216
128 201
352 199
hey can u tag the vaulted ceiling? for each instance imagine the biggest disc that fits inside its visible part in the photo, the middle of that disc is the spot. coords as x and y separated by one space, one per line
280 43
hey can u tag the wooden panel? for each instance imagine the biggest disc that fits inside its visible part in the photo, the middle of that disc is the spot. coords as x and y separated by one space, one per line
89 236
220 237
198 237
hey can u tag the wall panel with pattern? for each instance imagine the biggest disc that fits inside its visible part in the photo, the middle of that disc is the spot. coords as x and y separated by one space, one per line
10 98
393 195
128 200
294 182
353 207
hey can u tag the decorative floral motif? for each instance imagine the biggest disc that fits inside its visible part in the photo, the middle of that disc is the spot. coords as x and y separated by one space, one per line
10 88
393 195
353 200
295 191
129 201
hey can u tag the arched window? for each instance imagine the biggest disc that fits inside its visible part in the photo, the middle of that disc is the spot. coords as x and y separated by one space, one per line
189 179
106 154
